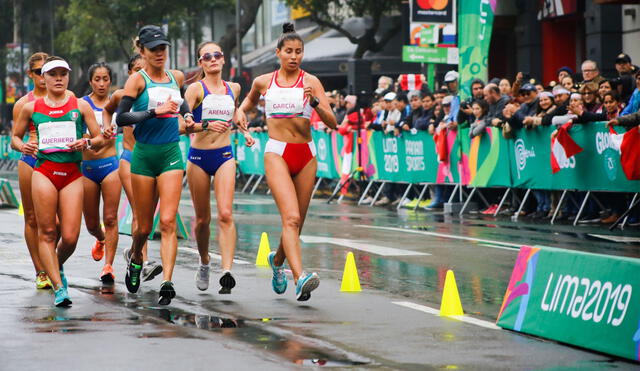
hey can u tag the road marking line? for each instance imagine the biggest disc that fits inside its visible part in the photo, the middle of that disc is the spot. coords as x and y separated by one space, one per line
435 312
212 255
616 238
362 246
500 245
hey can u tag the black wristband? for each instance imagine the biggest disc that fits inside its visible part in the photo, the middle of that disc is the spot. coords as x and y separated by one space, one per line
152 112
314 102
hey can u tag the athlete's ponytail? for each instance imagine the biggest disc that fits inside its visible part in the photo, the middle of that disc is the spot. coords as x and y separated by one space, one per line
37 57
288 34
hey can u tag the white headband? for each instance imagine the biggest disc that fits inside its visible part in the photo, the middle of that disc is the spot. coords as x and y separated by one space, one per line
576 96
55 64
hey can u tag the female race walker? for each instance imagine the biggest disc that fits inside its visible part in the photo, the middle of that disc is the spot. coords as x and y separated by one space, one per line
150 269
289 159
101 178
25 169
213 102
156 162
59 119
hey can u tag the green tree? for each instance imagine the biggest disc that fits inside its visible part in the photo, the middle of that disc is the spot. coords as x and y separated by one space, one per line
332 13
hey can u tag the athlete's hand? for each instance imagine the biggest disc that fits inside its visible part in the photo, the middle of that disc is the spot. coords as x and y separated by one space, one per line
30 148
241 119
79 145
218 126
168 107
248 140
613 122
108 132
307 93
190 125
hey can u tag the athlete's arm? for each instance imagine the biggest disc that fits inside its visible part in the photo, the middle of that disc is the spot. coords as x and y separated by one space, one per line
97 137
133 88
323 108
251 100
17 108
112 105
20 126
248 139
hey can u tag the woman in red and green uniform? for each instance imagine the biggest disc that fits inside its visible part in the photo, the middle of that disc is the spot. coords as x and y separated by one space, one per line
25 169
100 170
56 185
156 162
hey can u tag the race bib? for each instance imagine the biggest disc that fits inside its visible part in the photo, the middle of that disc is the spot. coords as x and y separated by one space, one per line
287 102
218 108
54 136
158 96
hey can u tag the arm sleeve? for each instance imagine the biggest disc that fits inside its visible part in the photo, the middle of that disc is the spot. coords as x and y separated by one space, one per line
125 117
184 107
477 128
591 117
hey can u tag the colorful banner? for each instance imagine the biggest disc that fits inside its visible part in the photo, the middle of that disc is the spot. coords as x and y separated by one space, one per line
488 155
250 159
474 32
433 11
577 298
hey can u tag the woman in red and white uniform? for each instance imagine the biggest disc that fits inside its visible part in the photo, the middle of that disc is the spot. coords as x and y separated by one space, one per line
290 164
25 168
59 119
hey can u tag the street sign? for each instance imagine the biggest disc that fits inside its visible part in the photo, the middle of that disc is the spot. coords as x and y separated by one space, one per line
418 54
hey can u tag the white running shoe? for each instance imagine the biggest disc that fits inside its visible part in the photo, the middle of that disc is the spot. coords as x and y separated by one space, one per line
202 277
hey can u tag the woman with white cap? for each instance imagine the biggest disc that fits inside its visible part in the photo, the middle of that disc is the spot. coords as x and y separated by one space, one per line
59 119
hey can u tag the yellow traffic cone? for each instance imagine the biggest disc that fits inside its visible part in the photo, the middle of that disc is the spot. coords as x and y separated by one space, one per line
450 305
20 209
263 251
350 280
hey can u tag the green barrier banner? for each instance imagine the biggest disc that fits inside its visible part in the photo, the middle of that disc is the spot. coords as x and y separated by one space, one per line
251 159
328 148
489 160
475 23
577 298
596 168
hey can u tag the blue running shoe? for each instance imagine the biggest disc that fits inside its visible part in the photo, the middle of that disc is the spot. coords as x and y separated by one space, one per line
306 284
62 298
279 279
63 278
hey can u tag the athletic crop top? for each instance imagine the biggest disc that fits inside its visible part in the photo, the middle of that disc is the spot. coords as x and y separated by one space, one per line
96 111
56 127
215 107
160 129
286 102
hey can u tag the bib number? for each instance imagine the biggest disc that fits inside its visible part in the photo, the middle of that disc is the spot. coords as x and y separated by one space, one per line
54 136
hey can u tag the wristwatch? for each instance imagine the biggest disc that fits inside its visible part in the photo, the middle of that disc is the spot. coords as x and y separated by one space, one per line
88 141
188 114
314 102
205 125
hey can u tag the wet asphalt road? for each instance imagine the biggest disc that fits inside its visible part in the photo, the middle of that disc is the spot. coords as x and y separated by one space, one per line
401 257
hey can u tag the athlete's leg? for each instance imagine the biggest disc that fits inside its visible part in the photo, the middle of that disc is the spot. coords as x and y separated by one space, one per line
30 226
45 202
91 208
144 188
111 190
70 214
224 186
124 171
169 189
284 194
200 189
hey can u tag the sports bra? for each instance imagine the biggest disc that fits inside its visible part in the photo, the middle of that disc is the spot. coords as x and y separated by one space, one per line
96 111
215 107
287 102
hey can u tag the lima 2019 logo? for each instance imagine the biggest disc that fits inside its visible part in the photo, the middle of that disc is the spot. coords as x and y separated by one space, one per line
433 4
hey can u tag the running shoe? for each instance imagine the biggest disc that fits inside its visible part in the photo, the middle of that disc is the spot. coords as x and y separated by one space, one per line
166 293
97 252
150 270
424 203
126 253
306 284
410 204
132 279
202 277
279 279
63 279
227 282
43 281
107 276
62 298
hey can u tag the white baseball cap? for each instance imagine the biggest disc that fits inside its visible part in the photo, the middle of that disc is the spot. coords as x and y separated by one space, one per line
447 100
451 76
58 63
390 96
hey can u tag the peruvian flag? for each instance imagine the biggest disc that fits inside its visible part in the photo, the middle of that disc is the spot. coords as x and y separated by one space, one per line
410 82
563 147
440 138
629 146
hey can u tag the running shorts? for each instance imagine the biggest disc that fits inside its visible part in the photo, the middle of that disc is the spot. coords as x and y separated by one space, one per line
154 159
210 160
296 155
97 170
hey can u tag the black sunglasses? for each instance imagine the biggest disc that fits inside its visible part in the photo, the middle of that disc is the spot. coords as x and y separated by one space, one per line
209 56
37 71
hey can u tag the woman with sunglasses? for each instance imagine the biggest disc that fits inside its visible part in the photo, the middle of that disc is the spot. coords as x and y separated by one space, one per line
289 159
150 269
25 168
213 102
59 119
101 178
156 162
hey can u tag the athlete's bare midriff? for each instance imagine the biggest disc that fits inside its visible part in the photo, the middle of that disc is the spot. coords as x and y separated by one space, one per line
289 130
